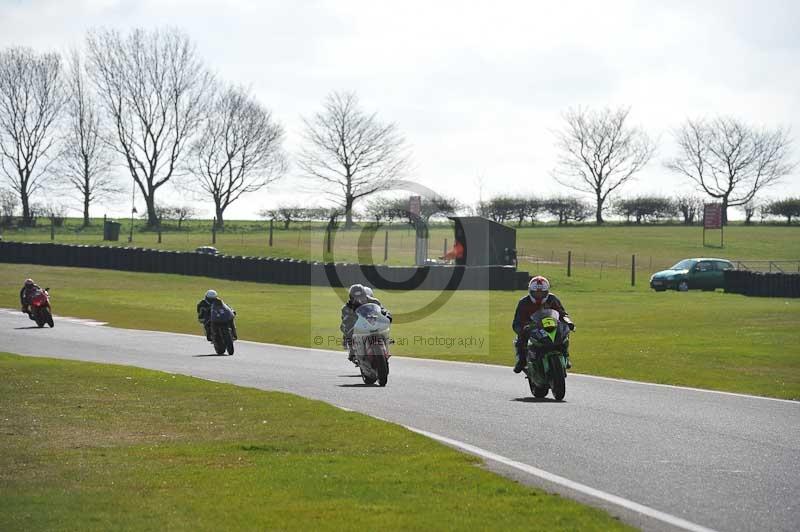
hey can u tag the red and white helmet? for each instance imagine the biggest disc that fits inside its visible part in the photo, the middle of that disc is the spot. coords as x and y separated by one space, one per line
539 289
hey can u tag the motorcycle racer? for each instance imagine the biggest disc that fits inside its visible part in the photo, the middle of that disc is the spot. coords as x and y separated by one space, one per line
204 313
538 297
358 295
25 294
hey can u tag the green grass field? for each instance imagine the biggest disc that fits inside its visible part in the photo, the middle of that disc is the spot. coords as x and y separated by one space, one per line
100 447
656 247
703 339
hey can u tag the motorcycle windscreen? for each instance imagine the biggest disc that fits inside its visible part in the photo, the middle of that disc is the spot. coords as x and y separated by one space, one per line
369 311
221 313
547 321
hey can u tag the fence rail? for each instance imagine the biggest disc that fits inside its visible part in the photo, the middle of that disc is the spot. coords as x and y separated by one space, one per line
782 266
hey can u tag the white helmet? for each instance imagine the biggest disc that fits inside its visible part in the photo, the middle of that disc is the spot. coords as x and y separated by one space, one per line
539 289
211 295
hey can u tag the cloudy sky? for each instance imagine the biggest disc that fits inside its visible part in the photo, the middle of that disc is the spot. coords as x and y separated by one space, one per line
477 88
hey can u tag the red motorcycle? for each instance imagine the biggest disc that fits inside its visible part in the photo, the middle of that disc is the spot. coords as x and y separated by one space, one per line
39 308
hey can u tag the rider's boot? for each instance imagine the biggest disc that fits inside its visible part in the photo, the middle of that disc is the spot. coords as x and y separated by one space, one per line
520 365
234 334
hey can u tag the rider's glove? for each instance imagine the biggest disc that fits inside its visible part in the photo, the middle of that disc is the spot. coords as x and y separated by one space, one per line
571 326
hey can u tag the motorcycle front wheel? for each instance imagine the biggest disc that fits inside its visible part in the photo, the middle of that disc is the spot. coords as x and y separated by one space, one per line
218 341
48 317
557 381
536 391
383 370
228 339
39 318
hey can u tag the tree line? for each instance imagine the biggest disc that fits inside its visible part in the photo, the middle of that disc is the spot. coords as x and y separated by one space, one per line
145 101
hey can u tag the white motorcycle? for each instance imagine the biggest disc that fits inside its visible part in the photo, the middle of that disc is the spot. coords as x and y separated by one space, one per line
371 344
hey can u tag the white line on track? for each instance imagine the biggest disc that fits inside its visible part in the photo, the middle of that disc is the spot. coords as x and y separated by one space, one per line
576 486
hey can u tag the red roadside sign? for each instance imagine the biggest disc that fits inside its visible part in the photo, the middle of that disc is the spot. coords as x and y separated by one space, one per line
712 216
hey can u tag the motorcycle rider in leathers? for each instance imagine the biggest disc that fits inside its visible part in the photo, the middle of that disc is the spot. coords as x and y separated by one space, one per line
26 293
358 295
539 297
204 313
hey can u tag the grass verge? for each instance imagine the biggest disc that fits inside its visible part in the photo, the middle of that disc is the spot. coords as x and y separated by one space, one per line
100 447
707 340
656 247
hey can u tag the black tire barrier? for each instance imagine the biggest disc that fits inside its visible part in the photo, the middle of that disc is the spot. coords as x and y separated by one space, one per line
269 269
762 284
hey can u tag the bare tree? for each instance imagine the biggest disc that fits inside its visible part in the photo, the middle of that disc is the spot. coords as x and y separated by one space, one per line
600 153
183 213
689 206
285 213
8 205
750 208
154 88
729 160
238 149
352 151
31 99
85 161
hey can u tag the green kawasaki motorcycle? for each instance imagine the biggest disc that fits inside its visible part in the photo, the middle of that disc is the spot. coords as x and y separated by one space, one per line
547 353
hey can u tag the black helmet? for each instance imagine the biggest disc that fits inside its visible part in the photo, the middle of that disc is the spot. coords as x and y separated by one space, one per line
358 294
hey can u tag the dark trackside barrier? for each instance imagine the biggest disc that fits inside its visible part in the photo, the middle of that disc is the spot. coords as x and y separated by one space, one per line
761 284
278 270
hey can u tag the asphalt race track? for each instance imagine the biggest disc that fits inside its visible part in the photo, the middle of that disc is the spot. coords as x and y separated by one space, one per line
659 457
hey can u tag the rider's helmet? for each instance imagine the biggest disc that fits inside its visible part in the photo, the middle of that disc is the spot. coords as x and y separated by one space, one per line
28 283
211 296
358 294
539 289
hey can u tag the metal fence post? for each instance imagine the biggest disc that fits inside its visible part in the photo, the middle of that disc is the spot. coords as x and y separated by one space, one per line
569 263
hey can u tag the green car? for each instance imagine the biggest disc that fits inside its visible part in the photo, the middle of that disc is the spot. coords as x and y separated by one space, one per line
705 274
